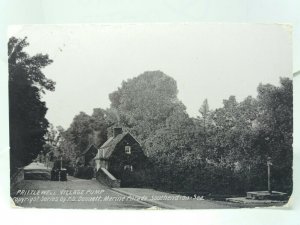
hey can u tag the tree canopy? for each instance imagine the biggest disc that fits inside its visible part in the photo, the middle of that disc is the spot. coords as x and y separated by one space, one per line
144 103
223 150
27 111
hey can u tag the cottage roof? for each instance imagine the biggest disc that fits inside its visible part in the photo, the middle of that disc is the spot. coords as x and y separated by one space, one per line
108 147
88 149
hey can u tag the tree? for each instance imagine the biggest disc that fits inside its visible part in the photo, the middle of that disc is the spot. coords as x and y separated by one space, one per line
275 130
100 121
53 136
143 103
204 111
52 139
171 151
84 131
27 83
67 147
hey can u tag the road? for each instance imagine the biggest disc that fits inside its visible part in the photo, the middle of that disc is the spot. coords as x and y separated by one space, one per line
72 194
90 194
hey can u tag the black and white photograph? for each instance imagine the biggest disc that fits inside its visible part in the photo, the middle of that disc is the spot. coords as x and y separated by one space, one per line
151 116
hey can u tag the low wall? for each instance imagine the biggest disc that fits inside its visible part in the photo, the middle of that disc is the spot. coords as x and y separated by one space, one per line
105 177
37 174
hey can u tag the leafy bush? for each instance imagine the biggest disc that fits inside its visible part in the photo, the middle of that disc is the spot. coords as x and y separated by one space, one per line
84 172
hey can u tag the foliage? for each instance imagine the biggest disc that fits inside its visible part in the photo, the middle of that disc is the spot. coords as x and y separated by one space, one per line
84 172
225 150
52 138
275 130
222 151
144 103
84 131
27 83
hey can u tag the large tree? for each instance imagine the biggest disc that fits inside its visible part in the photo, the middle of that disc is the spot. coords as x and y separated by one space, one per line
27 111
275 127
144 103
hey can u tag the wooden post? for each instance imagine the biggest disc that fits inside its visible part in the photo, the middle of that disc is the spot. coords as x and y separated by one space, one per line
269 163
61 163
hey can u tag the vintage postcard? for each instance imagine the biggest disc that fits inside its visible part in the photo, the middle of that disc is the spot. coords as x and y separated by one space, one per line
151 116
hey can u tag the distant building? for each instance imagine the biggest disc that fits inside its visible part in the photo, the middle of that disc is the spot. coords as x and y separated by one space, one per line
87 156
120 159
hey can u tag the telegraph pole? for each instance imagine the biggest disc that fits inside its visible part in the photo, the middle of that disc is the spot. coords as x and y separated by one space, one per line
269 164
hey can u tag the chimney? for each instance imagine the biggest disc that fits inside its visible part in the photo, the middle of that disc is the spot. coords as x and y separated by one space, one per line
117 131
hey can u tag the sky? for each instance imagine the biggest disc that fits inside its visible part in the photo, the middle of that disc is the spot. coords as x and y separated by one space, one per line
208 60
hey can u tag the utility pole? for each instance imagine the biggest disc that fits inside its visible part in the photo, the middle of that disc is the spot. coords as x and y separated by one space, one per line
61 163
269 164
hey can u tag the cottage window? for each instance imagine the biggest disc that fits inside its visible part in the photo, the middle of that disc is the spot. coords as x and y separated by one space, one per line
128 167
127 149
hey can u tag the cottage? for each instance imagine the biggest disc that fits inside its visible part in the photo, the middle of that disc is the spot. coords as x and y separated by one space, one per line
121 157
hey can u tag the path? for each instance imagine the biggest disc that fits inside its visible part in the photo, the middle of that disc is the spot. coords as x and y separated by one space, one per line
74 193
90 194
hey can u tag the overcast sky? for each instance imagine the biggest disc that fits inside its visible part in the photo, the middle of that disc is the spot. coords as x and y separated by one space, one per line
207 60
